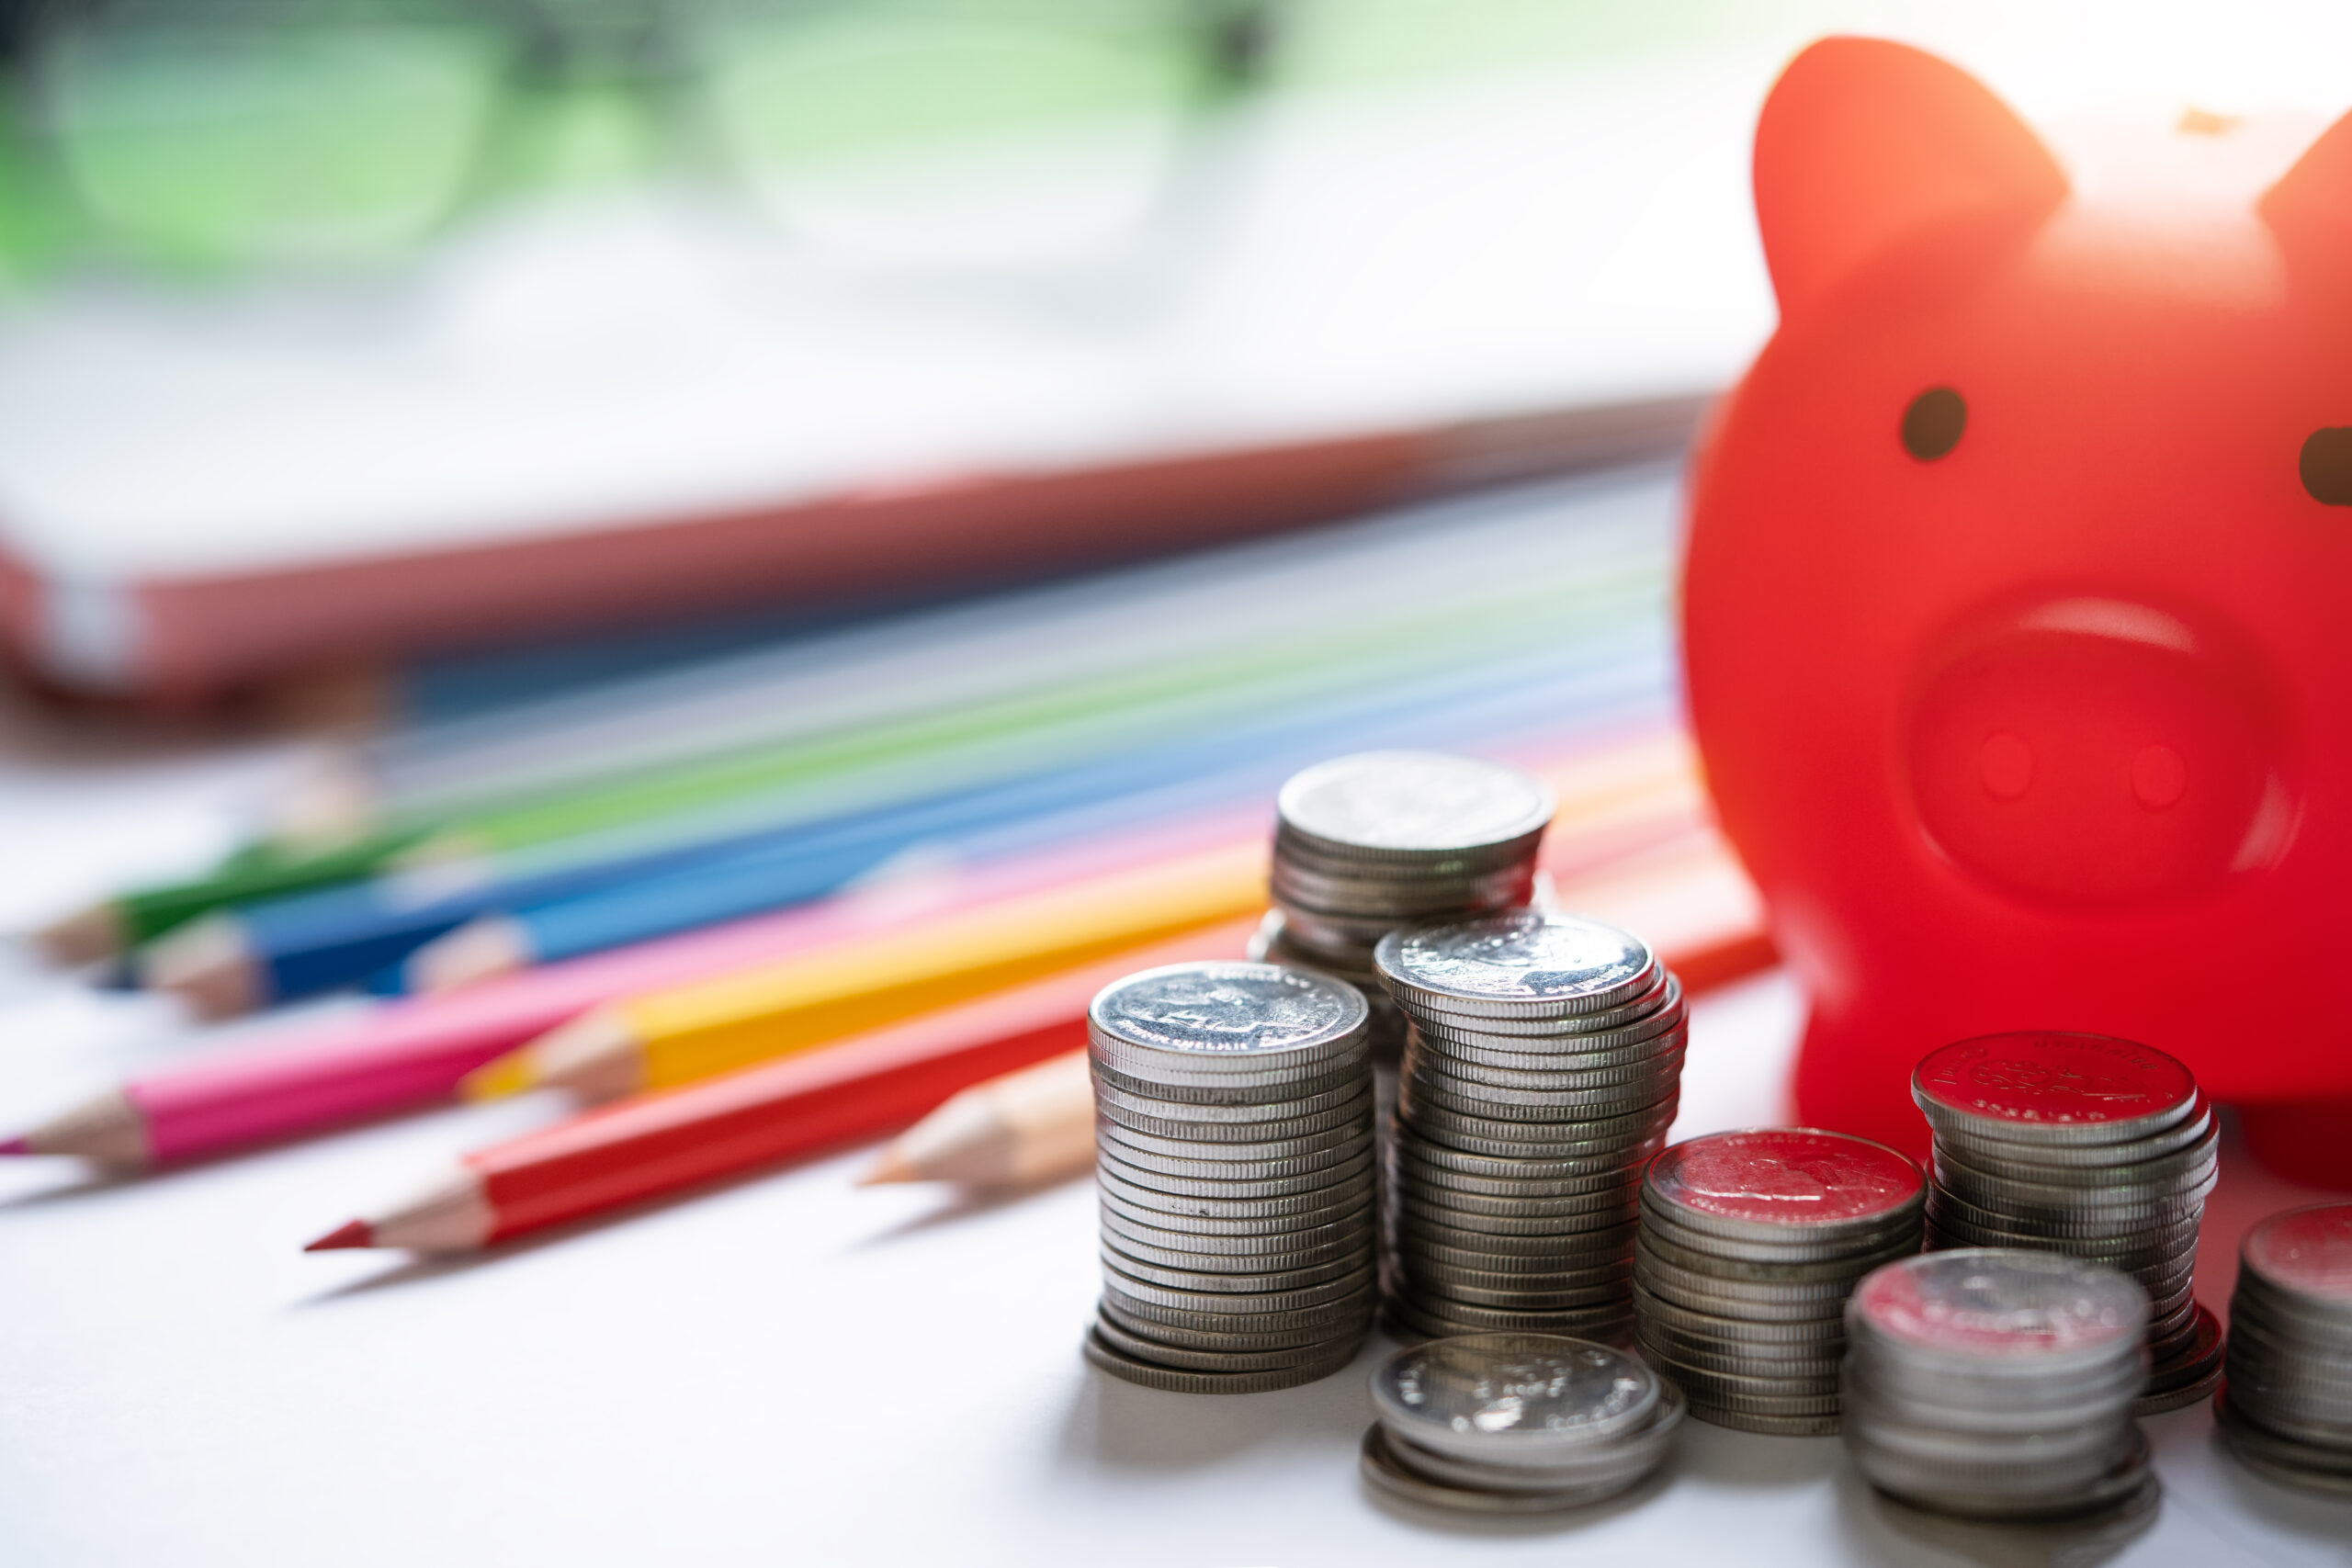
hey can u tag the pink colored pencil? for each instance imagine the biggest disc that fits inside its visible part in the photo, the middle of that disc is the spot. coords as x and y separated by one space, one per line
414 1051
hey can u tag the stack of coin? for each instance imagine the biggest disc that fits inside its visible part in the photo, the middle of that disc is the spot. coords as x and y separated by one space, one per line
1750 1244
2095 1147
1997 1384
1366 843
1540 1075
1515 1423
1234 1146
2288 1408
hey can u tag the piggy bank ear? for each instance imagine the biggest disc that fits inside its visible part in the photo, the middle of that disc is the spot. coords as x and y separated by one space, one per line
1864 142
2314 197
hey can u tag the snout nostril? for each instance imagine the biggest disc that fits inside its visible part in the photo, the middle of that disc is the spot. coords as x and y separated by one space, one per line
2159 777
2005 766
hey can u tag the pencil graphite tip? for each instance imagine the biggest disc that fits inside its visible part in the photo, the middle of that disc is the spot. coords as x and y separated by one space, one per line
357 1233
15 1146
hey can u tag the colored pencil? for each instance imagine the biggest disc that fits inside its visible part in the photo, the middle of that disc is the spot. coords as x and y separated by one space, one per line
1288 604
713 1026
415 1053
1032 1127
957 713
1245 764
851 1090
399 1056
696 1032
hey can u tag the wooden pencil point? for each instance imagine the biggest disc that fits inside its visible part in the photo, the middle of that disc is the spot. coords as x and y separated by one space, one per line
207 964
105 1130
891 1169
82 937
597 1056
356 1233
480 950
15 1146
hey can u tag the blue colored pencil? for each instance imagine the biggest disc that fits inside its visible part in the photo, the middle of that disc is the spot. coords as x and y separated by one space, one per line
1593 687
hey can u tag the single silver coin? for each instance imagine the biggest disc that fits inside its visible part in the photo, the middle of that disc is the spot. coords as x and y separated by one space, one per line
1319 1315
1743 1359
1681 1293
1476 1172
1546 1032
1524 963
2011 1307
1351 1133
1228 1185
1981 1144
1343 1095
1606 1463
1409 1182
1504 1398
2052 1086
1433 1317
1413 807
1629 1049
1384 1473
1904 1234
1480 1095
1281 1091
1106 1357
1219 1360
1719 1326
1347 1230
1356 1320
1342 1155
1844 1271
2305 1254
1188 1020
1586 1233
1244 1225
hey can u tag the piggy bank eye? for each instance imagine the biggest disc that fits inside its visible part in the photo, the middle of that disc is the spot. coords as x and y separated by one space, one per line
2326 466
1931 425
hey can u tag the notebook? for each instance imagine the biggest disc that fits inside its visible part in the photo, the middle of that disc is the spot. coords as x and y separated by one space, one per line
640 408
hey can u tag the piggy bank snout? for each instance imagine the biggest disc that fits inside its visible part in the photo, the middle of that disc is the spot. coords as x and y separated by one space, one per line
2091 751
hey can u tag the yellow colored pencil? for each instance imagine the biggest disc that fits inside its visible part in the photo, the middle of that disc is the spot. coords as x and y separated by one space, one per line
694 1032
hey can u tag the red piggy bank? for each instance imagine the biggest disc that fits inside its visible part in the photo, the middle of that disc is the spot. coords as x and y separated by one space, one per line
2019 598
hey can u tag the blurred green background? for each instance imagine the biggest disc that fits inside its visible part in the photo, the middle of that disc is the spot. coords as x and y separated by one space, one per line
207 137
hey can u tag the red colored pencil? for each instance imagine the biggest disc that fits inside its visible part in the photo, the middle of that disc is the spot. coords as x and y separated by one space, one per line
858 1089
1707 915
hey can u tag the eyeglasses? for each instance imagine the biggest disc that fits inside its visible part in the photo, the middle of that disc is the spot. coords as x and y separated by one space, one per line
212 135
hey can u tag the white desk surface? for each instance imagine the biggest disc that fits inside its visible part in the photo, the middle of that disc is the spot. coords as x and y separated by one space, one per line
784 1371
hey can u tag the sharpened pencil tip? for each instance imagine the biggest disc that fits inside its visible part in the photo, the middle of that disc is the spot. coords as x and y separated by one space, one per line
509 1075
357 1233
15 1146
892 1167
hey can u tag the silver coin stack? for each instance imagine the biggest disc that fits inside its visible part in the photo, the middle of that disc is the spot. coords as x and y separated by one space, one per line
2287 1410
1995 1384
1366 843
1540 1072
1234 1149
1750 1244
1514 1423
2096 1147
